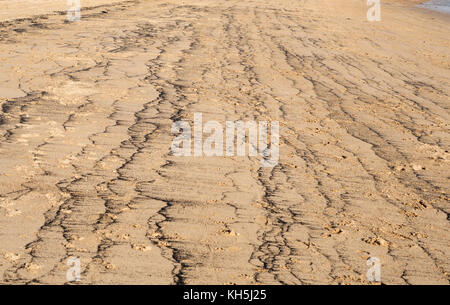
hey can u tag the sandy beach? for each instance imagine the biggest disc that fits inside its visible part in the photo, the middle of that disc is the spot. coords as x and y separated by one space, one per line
87 172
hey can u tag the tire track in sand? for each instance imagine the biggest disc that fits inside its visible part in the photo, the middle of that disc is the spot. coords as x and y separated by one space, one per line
87 169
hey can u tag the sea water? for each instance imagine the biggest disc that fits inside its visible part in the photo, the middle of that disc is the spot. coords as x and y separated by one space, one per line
442 6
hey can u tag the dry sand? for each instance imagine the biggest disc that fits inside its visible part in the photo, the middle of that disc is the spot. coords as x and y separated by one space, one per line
85 163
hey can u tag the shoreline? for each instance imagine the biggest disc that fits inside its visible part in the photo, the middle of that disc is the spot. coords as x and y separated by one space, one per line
431 5
417 4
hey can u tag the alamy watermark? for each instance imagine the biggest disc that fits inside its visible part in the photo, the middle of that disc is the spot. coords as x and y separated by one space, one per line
73 274
74 12
374 272
374 11
213 145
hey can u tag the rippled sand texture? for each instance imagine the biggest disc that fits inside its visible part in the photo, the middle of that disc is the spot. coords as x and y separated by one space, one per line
86 169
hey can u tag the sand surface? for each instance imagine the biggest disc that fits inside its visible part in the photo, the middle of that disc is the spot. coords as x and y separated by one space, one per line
86 168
